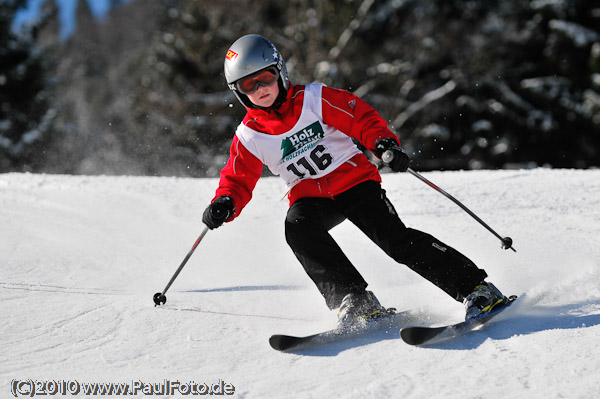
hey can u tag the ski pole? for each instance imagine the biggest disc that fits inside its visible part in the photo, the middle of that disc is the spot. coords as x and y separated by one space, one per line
388 156
159 297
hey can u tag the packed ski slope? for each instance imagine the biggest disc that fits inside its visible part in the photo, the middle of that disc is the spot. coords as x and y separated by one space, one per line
81 258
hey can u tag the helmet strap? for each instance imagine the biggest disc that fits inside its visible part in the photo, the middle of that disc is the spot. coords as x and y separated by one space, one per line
282 94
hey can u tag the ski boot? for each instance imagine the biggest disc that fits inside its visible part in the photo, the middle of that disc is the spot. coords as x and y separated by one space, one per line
483 299
359 307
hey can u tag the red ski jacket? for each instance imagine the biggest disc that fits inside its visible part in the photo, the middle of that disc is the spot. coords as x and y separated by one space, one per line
341 110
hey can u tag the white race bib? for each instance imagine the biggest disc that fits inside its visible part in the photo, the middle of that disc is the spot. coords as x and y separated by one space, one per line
311 149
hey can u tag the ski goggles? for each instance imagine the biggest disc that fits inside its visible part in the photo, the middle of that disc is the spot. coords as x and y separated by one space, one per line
250 84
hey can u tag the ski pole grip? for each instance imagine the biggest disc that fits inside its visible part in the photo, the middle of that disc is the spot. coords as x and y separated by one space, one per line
220 211
387 156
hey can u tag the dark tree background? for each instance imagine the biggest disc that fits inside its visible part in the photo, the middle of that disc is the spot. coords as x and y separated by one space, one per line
26 114
465 84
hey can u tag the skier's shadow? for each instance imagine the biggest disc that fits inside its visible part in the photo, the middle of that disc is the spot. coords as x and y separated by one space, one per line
248 288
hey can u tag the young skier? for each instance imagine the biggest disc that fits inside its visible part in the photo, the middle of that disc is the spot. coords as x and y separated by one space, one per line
303 133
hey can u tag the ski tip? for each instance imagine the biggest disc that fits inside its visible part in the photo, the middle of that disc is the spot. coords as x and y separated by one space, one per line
276 342
408 335
418 335
283 342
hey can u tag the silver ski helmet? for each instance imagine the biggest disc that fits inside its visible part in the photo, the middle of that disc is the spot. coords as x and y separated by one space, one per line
248 55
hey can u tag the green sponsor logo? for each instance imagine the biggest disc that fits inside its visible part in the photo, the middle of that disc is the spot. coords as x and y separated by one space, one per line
309 135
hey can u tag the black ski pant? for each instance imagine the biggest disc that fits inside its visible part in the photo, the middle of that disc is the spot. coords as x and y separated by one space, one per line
307 228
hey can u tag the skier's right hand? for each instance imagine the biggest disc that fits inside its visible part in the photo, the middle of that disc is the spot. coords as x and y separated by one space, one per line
219 211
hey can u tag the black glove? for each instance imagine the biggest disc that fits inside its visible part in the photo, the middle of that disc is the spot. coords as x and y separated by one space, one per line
399 161
218 212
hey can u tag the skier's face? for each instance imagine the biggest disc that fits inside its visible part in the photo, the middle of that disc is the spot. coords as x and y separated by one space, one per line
265 96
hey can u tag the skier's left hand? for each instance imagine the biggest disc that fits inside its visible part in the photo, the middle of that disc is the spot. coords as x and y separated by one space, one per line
400 160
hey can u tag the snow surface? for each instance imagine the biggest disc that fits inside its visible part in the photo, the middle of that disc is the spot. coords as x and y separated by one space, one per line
81 258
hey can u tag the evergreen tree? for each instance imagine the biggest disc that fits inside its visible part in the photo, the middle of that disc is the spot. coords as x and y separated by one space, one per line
25 116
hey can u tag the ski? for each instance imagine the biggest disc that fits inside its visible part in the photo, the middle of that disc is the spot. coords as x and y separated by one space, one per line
429 335
390 323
